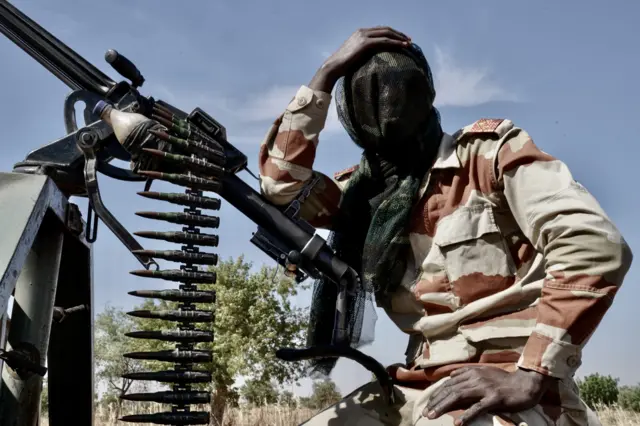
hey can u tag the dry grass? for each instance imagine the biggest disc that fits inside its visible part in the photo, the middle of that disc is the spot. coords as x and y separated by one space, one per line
284 416
616 416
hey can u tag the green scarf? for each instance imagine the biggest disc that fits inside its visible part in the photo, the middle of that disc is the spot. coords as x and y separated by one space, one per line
370 231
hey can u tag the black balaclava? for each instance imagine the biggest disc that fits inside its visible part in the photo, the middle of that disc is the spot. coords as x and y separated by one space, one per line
386 107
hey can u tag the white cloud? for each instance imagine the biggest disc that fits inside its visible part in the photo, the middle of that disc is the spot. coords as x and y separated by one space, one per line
272 102
267 105
456 85
248 118
460 86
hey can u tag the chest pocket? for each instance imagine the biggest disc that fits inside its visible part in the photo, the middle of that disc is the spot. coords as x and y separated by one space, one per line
476 257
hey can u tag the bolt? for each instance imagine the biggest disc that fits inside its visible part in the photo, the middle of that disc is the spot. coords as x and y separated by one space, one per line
88 138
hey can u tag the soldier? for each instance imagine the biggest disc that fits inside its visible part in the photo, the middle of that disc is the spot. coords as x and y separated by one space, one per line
480 246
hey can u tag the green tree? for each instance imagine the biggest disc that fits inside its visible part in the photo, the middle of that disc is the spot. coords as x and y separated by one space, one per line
259 392
287 399
110 345
324 394
44 399
306 402
254 317
629 398
596 389
110 398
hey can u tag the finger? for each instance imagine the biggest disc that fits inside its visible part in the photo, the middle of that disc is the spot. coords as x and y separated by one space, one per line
460 370
386 32
384 43
392 29
443 394
476 410
438 396
451 385
457 380
450 402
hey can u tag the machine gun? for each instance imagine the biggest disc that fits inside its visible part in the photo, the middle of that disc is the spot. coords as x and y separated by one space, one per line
202 160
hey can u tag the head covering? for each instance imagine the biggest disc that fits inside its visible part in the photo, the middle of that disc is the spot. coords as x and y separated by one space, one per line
386 107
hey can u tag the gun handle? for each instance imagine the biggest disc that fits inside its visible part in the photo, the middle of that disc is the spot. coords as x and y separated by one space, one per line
124 67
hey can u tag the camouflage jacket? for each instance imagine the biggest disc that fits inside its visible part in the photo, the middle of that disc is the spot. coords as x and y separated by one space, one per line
518 261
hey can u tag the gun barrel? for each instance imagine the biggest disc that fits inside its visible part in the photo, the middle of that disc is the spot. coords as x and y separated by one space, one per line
58 58
253 206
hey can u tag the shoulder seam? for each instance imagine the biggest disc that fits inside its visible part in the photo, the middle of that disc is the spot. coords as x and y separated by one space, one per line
346 172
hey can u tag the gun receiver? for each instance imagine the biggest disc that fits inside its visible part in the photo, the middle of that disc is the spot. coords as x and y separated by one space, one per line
74 160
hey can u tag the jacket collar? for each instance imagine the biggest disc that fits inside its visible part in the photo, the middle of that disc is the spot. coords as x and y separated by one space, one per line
447 157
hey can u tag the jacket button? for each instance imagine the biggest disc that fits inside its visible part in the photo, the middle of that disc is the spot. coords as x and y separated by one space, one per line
302 101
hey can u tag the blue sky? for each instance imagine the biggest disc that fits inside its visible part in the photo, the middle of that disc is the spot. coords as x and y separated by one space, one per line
567 72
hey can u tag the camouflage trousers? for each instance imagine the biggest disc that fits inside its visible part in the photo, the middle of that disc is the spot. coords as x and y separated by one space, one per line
366 407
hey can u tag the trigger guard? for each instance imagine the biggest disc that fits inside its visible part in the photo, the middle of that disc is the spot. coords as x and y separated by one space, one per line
90 100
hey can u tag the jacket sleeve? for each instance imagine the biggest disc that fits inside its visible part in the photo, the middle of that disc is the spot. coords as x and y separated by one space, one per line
287 155
586 257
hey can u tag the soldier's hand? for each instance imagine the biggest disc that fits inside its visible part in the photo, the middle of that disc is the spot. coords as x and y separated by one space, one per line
359 46
480 390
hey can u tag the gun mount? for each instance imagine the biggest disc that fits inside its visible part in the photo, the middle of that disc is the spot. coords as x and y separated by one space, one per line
198 157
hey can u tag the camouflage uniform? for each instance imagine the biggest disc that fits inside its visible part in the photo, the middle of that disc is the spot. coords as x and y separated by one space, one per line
518 263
